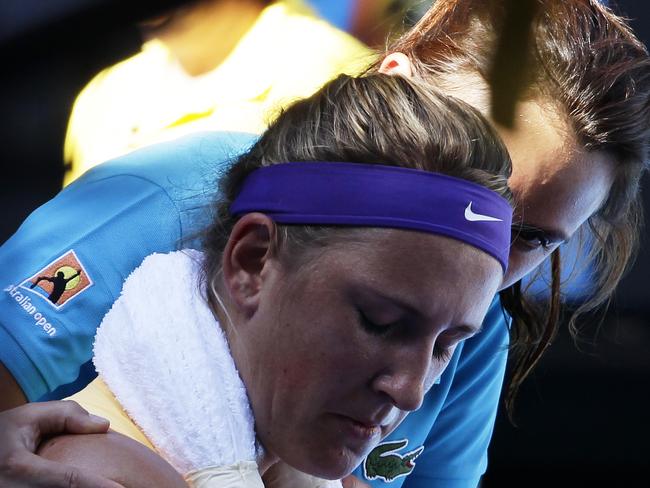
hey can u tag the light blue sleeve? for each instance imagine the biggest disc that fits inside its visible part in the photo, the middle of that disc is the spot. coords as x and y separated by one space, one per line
101 226
106 227
455 450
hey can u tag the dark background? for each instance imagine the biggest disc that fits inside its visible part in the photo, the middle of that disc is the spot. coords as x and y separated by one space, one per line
583 416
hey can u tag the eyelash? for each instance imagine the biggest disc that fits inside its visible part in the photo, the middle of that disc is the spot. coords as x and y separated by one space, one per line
439 353
527 236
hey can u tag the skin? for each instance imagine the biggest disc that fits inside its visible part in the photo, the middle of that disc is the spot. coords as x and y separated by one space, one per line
302 330
25 427
556 189
115 457
557 185
12 395
202 35
546 163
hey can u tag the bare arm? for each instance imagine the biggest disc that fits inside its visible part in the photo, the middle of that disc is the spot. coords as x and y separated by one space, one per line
21 431
11 395
115 457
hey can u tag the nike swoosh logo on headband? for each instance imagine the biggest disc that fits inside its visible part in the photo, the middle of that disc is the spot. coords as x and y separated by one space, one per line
475 217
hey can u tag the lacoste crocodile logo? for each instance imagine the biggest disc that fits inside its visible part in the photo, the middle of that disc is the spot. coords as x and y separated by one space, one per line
386 464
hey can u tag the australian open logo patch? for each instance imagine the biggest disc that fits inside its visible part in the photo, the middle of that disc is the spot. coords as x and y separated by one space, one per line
60 281
385 463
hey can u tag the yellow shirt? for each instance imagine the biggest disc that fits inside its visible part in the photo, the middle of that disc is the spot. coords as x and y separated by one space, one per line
287 54
98 399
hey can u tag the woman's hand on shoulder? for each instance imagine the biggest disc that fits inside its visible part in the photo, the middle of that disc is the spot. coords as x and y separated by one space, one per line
22 430
113 456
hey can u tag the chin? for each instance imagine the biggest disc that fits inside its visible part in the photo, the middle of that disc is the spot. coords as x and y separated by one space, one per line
332 465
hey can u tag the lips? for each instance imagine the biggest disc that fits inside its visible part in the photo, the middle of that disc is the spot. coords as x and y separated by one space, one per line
380 421
369 423
364 430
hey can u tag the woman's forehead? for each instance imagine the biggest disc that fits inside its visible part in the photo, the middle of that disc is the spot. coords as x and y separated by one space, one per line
411 267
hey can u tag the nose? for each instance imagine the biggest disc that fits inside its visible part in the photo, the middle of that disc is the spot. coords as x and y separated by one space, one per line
409 376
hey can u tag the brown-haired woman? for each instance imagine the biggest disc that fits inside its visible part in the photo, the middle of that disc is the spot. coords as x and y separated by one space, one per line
579 145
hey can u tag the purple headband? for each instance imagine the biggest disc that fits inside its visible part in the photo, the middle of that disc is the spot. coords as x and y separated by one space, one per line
325 193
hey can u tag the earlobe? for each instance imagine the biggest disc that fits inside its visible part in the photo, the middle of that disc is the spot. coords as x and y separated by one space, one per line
397 64
245 259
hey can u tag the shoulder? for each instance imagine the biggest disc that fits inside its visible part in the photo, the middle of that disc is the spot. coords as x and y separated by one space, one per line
115 457
174 180
323 51
200 156
98 399
124 77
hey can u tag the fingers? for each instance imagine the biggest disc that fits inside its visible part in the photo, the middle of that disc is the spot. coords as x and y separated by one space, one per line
63 417
353 482
32 471
21 430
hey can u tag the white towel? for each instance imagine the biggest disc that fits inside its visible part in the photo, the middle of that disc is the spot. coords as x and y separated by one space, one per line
165 358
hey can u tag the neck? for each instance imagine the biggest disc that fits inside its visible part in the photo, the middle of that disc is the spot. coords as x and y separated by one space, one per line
203 35
266 461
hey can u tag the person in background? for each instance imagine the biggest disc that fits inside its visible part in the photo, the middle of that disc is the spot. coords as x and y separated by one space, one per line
578 146
373 22
208 65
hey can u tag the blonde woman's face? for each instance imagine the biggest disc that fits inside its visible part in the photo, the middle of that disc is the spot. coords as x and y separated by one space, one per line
339 350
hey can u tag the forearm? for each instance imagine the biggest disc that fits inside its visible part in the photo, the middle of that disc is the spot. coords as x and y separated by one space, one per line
11 395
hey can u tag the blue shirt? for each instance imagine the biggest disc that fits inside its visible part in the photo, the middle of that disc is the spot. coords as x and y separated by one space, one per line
65 266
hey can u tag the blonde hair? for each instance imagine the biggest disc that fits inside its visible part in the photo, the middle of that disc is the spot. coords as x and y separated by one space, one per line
376 119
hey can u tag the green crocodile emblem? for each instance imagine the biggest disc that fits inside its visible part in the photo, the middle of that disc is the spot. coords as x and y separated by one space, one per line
386 464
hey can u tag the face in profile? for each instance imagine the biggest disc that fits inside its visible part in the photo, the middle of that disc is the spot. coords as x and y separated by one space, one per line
557 185
340 349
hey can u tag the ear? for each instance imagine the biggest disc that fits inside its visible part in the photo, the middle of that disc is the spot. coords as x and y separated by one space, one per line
397 64
247 260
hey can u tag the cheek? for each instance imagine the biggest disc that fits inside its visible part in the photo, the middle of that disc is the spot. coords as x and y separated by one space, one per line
318 354
521 263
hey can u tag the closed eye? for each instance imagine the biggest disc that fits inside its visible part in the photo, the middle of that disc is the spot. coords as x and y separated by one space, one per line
373 327
533 238
441 353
